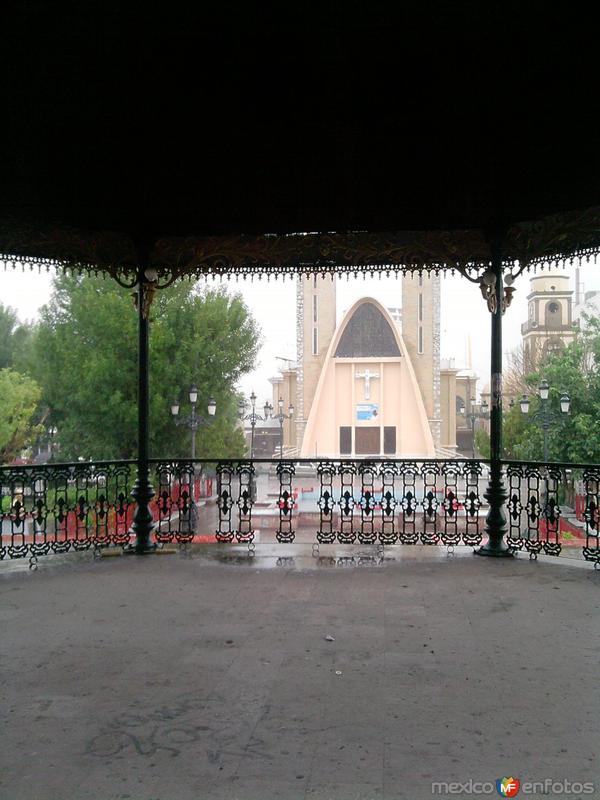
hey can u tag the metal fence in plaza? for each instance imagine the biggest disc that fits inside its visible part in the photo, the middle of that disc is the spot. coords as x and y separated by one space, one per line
55 508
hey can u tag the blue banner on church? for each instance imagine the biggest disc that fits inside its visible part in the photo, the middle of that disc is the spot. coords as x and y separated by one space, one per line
367 411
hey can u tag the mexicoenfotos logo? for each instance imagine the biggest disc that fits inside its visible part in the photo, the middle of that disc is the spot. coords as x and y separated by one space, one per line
508 787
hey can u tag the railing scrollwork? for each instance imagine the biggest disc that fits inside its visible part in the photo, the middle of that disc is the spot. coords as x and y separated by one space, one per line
551 509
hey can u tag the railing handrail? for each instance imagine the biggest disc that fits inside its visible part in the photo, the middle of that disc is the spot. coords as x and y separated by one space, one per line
70 464
318 459
558 464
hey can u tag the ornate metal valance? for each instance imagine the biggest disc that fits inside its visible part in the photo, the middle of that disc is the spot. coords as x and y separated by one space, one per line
550 241
359 252
67 248
553 239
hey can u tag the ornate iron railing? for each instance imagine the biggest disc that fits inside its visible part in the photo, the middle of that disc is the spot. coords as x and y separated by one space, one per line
551 508
54 508
539 496
335 501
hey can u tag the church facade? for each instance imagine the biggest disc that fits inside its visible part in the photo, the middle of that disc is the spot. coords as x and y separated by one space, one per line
371 385
367 401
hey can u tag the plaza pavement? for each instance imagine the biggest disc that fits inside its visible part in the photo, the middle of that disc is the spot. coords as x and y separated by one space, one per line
207 674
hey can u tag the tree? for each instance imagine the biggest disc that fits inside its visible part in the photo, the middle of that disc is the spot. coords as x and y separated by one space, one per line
520 364
574 438
84 353
13 337
482 442
19 397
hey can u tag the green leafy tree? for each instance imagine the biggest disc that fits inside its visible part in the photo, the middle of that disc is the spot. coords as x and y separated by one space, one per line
482 443
573 438
19 398
84 353
14 338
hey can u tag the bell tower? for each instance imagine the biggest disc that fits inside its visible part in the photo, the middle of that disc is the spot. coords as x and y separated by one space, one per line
315 327
421 297
549 325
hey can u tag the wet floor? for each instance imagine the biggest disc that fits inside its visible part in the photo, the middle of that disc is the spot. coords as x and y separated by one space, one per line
271 555
346 674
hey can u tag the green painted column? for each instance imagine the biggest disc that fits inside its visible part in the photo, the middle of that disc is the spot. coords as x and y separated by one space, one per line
143 521
496 494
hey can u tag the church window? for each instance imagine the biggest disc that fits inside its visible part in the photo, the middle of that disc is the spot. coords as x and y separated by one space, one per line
315 308
420 307
420 279
553 315
367 334
367 441
389 440
420 343
345 440
315 343
314 281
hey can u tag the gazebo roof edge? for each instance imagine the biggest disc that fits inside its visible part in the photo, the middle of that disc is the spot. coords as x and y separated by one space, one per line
552 239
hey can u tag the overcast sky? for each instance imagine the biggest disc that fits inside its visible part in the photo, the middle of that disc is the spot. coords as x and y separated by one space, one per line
464 313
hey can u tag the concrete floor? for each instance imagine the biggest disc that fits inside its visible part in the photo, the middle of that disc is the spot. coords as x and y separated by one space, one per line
180 677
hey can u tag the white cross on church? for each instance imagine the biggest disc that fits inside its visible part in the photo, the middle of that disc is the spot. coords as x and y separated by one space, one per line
367 375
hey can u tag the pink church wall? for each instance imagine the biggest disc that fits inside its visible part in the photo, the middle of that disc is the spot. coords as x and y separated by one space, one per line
395 392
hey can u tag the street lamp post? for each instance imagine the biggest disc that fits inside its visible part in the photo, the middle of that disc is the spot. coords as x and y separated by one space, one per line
473 415
193 420
280 417
52 431
253 417
545 416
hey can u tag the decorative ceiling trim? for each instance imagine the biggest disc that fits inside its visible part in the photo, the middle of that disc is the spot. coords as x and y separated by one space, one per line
554 239
62 248
359 252
547 242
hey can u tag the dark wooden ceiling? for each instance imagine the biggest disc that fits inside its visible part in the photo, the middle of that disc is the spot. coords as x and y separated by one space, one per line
249 119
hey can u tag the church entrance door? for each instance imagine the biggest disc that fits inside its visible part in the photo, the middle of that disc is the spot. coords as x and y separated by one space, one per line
367 441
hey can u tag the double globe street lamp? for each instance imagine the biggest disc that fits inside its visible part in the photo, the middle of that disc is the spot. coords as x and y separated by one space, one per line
545 416
253 417
51 433
281 417
193 421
